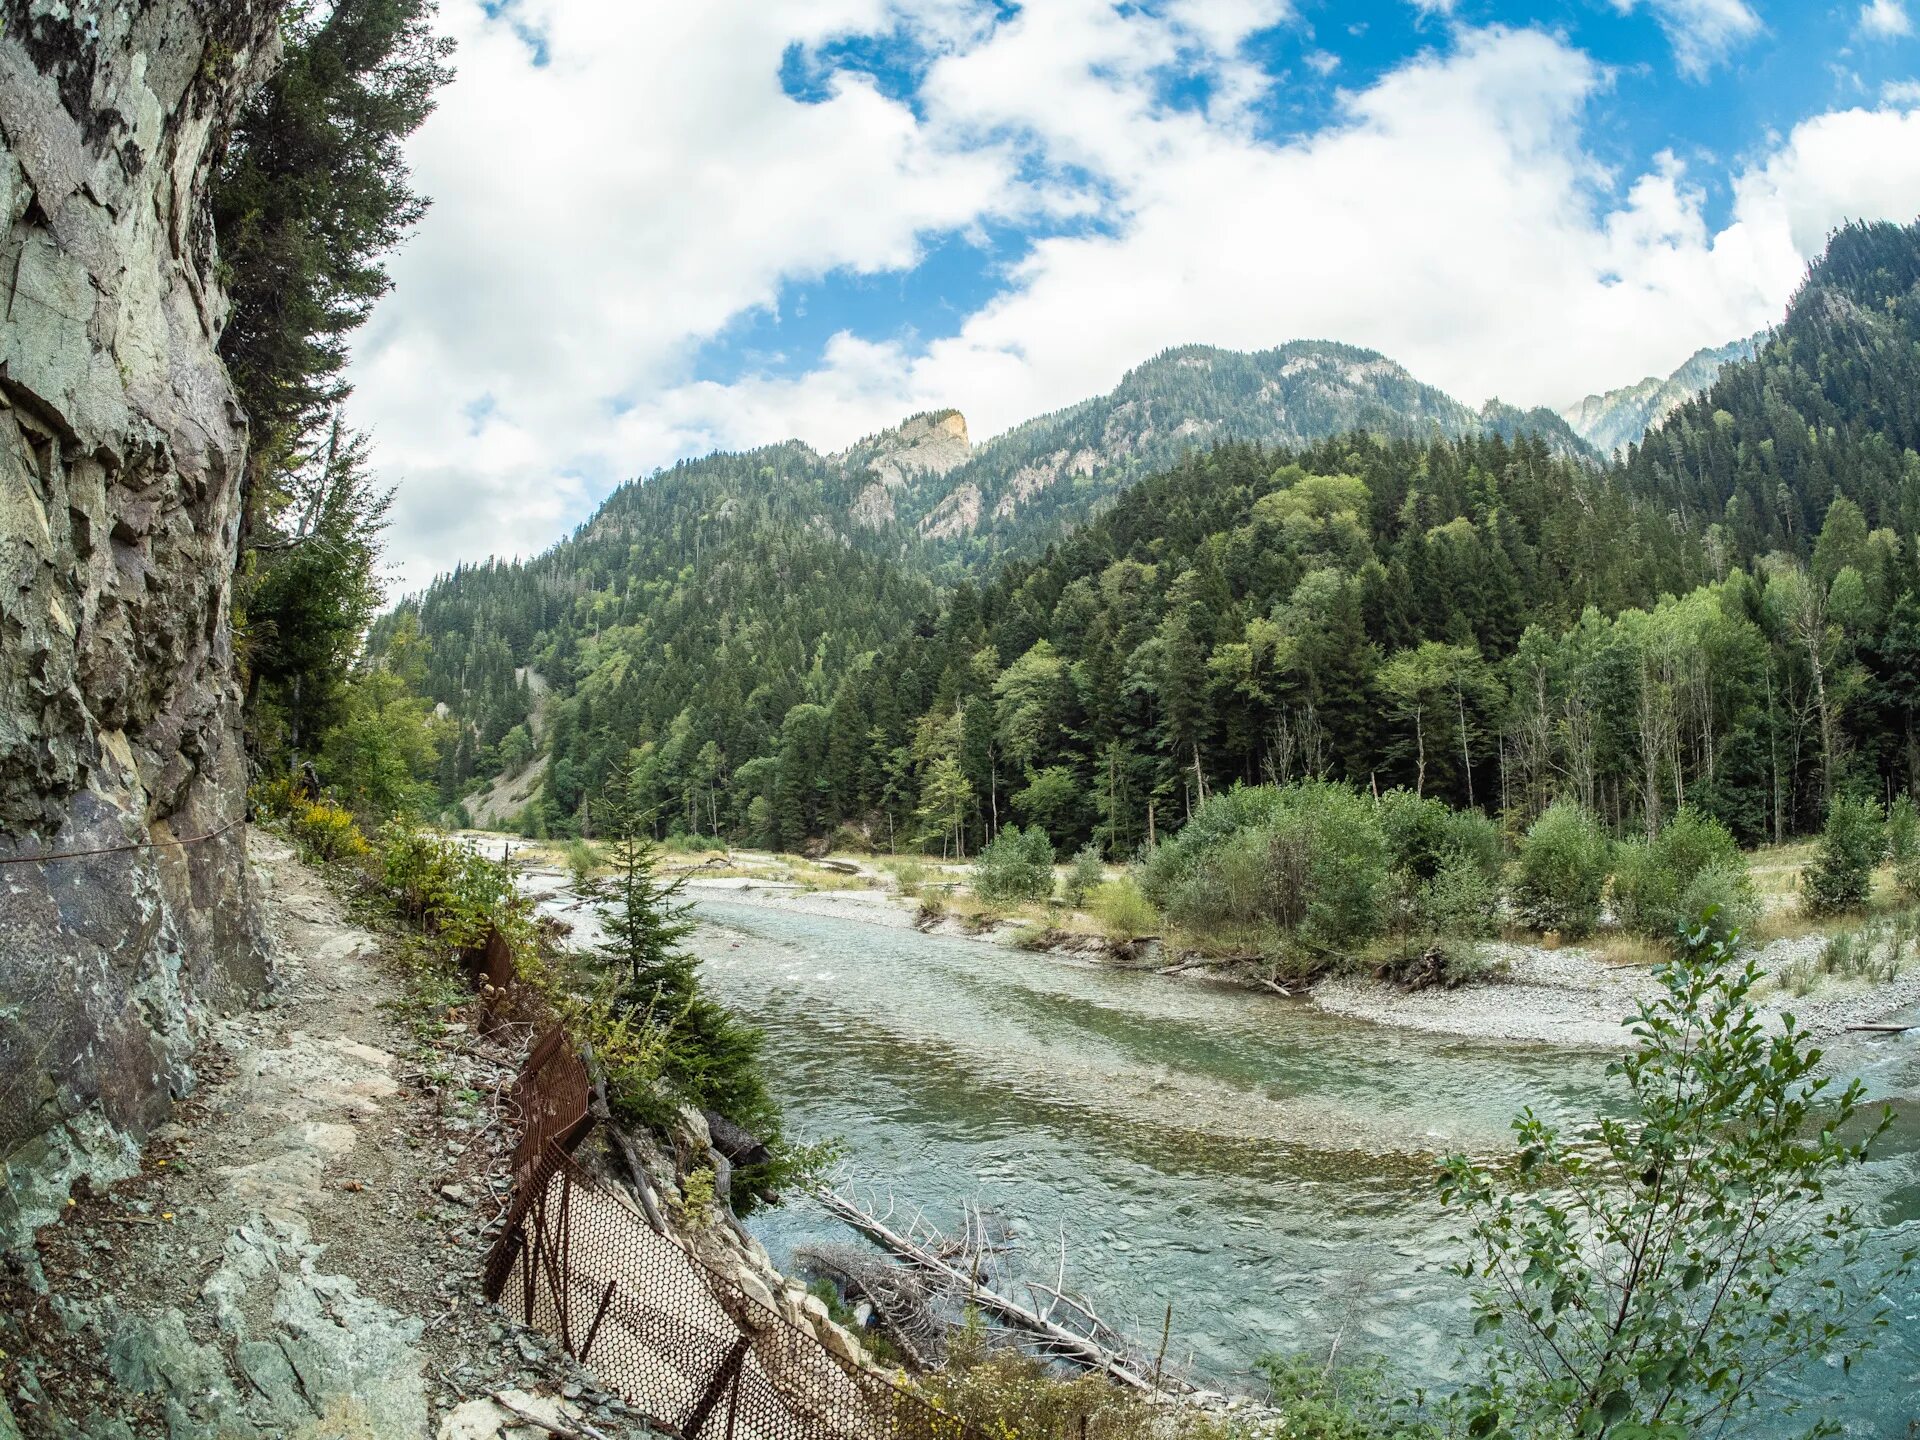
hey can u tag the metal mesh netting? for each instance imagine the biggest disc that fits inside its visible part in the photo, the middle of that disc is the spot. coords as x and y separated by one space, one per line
683 1344
552 1094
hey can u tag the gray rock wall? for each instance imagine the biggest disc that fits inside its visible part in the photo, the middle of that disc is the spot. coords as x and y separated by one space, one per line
121 450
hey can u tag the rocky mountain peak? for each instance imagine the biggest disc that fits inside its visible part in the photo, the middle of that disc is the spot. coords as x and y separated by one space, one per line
929 444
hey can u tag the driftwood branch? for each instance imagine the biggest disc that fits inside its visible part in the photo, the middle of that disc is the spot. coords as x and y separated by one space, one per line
574 1430
1071 1344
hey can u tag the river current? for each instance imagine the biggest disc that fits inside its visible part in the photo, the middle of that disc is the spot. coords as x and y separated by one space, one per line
1261 1166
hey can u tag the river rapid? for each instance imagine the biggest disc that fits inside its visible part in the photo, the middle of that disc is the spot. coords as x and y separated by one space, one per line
1261 1166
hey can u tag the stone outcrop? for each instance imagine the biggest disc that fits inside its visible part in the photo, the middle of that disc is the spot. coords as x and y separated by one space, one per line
122 446
925 445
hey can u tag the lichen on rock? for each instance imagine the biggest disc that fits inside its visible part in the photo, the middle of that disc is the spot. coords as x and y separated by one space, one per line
121 452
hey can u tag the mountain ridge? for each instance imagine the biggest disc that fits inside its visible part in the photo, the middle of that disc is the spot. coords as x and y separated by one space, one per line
1612 420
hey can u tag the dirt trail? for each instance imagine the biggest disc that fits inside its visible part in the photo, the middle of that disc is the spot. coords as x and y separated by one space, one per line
298 1255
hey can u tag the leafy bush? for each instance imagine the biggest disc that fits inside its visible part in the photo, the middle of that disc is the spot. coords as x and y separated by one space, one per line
1085 873
1841 875
1461 899
325 831
450 889
1562 868
1660 885
1723 900
1903 830
1306 862
1322 1401
1017 865
1664 1271
1123 910
1422 834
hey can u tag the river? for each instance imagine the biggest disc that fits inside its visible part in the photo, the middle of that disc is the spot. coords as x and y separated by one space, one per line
1263 1167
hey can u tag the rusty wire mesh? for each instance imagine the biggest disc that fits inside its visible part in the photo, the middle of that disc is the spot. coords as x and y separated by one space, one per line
552 1096
685 1345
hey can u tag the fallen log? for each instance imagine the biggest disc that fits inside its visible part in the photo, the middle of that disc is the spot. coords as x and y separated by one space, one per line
1073 1346
1881 1029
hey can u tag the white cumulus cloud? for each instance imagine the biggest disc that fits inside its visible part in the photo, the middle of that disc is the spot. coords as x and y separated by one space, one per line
1886 19
1702 32
600 217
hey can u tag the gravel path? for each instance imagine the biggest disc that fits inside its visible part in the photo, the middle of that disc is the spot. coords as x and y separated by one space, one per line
299 1253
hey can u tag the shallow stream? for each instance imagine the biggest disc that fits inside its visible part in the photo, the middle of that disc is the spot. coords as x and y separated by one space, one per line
1264 1167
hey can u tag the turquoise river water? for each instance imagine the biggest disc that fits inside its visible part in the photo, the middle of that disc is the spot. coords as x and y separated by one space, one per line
1262 1166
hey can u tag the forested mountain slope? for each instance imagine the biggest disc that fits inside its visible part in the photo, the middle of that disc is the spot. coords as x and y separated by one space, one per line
1724 618
734 586
1621 417
1022 488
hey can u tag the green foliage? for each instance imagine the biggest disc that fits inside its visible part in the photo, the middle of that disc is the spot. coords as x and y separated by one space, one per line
707 1057
1306 863
1123 910
304 597
310 196
1841 876
380 755
1016 866
1084 875
1694 863
449 889
1324 1401
1903 844
1649 1275
1460 900
1561 870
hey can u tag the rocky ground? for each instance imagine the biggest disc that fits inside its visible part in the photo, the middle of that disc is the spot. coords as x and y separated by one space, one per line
298 1254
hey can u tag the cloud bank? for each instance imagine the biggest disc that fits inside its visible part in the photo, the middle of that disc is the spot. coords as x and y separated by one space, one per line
601 216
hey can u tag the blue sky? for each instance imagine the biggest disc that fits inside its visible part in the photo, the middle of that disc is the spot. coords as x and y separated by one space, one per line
1708 111
659 229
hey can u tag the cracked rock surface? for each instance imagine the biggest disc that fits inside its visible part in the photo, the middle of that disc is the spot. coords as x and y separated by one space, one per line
121 453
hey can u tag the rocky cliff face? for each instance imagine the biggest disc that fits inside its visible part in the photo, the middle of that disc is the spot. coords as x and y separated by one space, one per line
1612 421
121 446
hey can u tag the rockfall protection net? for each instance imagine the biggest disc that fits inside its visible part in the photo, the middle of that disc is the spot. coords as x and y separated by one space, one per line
685 1345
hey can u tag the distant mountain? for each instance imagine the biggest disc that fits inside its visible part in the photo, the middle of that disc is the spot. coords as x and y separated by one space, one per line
744 584
1056 470
1618 418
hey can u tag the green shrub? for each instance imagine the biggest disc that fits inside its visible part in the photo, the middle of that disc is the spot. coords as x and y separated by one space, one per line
1085 873
1722 902
1903 830
1017 865
1306 863
1415 829
582 859
450 889
1423 834
1461 899
1123 910
1323 1401
1663 885
325 831
1562 869
1852 843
